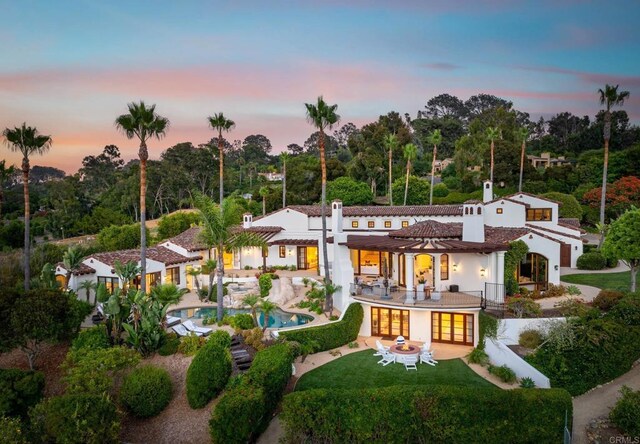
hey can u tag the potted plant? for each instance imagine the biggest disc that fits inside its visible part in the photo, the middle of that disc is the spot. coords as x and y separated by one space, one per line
420 286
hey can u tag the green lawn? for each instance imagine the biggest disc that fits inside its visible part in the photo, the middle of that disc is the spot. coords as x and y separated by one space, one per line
610 281
360 370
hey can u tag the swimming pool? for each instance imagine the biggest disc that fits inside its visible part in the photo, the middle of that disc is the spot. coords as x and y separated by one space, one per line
277 319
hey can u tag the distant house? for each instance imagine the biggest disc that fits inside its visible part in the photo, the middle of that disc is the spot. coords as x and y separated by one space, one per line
272 177
440 165
545 160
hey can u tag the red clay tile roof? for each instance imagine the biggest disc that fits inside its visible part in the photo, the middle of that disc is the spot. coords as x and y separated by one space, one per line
514 197
503 235
548 230
159 254
569 222
189 239
82 269
372 211
386 243
509 199
429 229
306 242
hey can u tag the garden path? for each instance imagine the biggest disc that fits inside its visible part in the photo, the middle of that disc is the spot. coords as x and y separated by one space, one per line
598 402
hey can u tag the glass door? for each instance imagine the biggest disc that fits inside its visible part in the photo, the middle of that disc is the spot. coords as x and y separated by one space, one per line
389 322
455 328
302 258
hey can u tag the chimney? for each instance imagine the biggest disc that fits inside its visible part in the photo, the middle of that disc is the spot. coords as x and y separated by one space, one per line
473 221
336 216
247 220
487 191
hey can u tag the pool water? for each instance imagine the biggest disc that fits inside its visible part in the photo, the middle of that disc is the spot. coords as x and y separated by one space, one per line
277 319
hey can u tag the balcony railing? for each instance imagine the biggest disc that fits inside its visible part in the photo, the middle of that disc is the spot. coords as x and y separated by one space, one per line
400 296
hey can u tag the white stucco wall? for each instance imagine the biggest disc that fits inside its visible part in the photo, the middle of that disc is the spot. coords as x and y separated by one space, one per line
509 329
500 354
547 248
513 214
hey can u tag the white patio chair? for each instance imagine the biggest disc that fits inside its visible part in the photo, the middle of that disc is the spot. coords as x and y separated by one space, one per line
381 349
173 320
181 331
427 358
387 358
194 328
410 363
400 340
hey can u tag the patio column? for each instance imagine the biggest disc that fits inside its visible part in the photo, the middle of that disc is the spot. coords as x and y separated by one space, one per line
500 267
408 276
436 271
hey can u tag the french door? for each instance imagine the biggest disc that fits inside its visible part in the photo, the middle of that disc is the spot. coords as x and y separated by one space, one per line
454 328
389 322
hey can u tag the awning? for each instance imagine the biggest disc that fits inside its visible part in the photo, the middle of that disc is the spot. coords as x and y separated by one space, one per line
394 245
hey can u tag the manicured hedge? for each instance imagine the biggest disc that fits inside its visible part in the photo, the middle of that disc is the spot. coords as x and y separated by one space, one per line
331 335
146 391
404 414
591 261
19 390
208 374
76 419
244 411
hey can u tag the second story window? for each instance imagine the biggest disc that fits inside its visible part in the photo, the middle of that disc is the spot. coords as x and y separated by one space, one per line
354 224
499 210
387 224
371 224
539 214
405 223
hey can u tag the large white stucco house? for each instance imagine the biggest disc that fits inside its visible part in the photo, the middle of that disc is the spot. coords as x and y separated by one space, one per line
442 263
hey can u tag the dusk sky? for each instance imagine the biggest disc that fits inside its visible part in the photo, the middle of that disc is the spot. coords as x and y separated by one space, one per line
70 67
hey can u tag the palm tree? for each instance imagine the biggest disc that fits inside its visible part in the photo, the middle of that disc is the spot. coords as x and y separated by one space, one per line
610 97
284 157
220 230
27 141
523 134
72 260
323 116
409 151
253 300
435 138
391 142
87 286
194 273
220 123
264 192
492 134
211 265
126 272
267 307
143 123
5 174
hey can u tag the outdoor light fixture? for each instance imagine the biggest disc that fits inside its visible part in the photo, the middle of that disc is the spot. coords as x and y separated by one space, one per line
482 272
555 267
455 267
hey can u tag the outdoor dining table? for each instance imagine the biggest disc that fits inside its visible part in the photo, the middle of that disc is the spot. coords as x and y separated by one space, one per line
403 351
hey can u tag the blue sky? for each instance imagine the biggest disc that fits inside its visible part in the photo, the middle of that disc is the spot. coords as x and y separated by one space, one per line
70 67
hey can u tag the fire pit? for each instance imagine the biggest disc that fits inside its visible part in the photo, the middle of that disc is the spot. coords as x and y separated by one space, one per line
404 350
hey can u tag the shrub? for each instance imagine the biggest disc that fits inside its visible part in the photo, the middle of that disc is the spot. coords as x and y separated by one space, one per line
527 383
554 291
242 321
146 391
244 411
354 344
93 338
265 284
170 345
573 307
189 345
440 190
12 431
530 338
405 414
591 261
208 374
71 419
221 338
478 356
607 299
254 337
19 390
626 413
504 373
488 326
237 418
332 335
627 311
523 307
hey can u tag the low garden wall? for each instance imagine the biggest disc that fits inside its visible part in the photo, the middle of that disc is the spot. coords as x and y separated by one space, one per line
500 354
509 329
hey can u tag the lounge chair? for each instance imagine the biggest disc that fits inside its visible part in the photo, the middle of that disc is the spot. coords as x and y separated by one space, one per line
181 331
410 363
387 358
193 327
381 349
173 320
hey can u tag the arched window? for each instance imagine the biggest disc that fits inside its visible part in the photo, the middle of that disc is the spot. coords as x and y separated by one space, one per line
466 210
533 270
479 210
444 267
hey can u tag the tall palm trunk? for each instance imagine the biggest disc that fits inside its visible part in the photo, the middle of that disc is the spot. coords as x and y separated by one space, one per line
433 172
406 182
492 149
264 205
220 149
325 253
284 184
27 224
144 155
390 178
603 194
521 166
219 292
